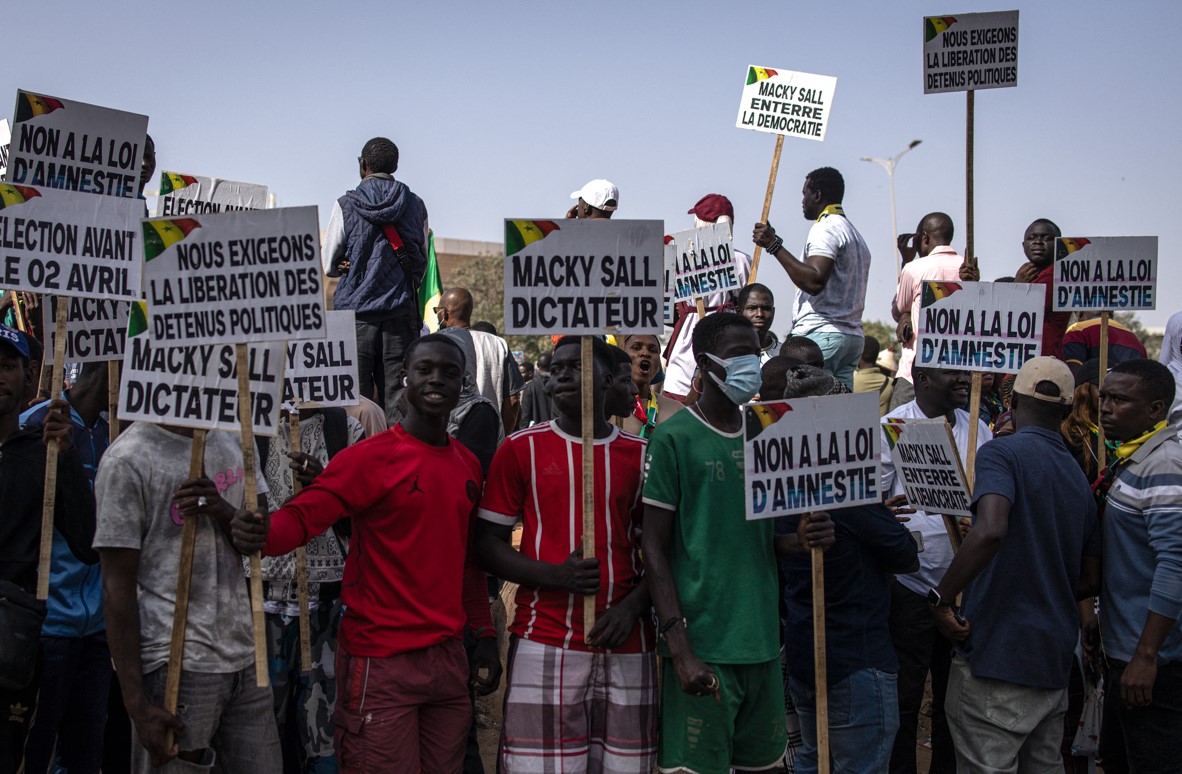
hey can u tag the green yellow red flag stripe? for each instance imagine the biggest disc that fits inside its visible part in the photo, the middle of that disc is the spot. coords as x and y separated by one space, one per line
159 235
519 233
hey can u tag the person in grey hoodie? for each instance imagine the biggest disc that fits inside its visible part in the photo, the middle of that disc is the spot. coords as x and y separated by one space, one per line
376 242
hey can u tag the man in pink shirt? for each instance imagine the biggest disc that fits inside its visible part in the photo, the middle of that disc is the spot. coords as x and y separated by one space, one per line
927 255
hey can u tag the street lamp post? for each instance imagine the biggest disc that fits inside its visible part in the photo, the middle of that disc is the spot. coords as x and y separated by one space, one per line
889 166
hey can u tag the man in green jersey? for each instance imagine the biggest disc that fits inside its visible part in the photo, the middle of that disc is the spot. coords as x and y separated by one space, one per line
712 573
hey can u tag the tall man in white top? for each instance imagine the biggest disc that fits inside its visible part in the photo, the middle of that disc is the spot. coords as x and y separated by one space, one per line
927 255
831 278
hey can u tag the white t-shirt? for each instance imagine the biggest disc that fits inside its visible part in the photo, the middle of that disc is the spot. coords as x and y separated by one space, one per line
937 548
1171 357
837 308
134 486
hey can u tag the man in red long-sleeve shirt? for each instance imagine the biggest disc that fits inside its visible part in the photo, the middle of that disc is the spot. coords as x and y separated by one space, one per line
1038 243
410 582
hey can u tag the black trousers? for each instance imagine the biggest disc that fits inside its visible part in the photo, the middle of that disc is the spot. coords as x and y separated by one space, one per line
1143 740
921 649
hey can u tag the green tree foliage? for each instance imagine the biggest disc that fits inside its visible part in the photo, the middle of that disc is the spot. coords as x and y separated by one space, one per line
1151 341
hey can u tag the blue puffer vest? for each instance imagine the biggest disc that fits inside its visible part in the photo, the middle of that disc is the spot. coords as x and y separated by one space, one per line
375 286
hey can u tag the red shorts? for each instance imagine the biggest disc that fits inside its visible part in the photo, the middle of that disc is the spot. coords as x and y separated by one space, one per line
408 712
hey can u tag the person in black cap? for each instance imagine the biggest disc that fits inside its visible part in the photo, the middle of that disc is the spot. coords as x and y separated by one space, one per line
22 477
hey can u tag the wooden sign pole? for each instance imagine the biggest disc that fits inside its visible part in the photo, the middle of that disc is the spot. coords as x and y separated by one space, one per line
250 501
970 247
820 664
18 313
49 500
301 558
1102 450
184 577
974 424
950 521
587 375
113 368
767 204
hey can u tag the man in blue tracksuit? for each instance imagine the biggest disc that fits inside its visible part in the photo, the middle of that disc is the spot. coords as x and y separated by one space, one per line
75 672
376 242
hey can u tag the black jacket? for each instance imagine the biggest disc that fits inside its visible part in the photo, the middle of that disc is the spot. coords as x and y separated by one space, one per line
22 488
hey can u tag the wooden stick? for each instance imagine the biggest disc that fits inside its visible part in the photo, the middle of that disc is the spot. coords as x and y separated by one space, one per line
301 559
587 375
250 501
113 399
49 500
184 577
970 247
950 522
767 204
18 313
1102 450
820 663
974 423
701 308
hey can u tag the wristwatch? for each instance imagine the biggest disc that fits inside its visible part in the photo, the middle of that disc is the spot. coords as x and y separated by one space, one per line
935 600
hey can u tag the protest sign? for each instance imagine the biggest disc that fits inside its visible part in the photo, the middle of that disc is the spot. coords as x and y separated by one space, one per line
195 195
979 326
96 329
811 454
970 51
197 385
928 465
324 371
234 277
1096 274
70 244
5 138
583 276
703 263
60 143
787 103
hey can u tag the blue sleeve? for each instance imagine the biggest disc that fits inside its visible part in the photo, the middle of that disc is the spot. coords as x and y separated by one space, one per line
878 529
995 473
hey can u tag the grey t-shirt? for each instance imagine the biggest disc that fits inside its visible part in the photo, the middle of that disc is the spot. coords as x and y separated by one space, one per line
134 487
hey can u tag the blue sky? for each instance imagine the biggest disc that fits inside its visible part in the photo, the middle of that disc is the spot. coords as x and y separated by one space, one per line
503 109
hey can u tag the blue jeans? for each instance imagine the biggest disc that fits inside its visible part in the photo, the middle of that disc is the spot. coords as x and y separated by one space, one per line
841 352
863 720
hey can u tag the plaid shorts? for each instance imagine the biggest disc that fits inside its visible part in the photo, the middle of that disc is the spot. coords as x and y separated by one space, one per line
571 711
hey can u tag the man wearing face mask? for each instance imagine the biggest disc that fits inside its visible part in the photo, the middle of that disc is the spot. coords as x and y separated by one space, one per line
712 573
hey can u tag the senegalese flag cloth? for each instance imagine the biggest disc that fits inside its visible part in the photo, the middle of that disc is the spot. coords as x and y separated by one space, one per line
933 291
431 288
16 194
159 235
934 25
755 74
171 181
892 430
29 105
137 320
519 233
1069 245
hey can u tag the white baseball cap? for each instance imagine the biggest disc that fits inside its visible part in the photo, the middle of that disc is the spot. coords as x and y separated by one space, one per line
598 193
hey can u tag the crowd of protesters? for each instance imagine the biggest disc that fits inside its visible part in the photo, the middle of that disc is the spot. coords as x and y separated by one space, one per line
1049 638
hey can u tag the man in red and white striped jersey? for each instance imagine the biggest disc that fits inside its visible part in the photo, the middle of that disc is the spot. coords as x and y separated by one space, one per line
603 685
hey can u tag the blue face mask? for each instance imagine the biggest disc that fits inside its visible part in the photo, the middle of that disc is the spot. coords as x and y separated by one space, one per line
742 377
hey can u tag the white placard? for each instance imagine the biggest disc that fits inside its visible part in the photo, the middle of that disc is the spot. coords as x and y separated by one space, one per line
323 372
1097 274
811 454
786 102
234 277
584 276
96 329
970 51
928 465
69 244
979 326
196 195
703 263
5 137
62 144
197 386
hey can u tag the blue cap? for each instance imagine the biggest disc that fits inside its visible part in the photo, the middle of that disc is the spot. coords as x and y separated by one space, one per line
15 339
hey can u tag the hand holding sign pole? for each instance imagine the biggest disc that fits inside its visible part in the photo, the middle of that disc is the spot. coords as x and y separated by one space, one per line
784 103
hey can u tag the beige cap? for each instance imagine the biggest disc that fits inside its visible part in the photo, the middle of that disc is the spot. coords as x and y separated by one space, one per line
1046 369
886 359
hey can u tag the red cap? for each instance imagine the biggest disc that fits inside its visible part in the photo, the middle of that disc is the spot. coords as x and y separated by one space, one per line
711 206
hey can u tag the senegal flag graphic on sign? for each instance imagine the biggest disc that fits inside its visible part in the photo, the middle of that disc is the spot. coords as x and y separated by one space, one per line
519 233
159 235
